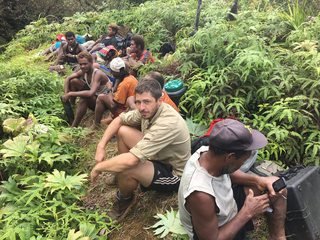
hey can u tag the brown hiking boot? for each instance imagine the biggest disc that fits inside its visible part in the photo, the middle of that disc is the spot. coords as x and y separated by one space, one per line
122 207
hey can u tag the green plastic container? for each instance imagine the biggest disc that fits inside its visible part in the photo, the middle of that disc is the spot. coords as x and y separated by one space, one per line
175 89
173 85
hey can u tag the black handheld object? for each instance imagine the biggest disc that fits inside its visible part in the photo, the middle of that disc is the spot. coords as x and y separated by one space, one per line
279 184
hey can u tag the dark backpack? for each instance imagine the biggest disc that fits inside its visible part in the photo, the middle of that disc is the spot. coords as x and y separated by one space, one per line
123 42
123 38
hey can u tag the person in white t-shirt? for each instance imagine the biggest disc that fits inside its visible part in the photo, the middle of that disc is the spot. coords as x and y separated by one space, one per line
216 199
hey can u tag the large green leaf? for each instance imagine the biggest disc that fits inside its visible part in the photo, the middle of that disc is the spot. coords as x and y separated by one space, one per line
59 181
15 147
12 125
168 223
195 129
73 235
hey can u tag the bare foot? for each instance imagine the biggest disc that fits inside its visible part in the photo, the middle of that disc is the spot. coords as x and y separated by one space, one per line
107 120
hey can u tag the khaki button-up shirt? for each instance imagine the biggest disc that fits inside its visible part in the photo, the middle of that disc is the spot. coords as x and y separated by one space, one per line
165 137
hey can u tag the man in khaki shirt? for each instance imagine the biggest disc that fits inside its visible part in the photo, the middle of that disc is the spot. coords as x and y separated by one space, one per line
154 145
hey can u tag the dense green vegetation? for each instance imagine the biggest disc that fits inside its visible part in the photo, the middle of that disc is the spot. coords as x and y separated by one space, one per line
262 68
16 14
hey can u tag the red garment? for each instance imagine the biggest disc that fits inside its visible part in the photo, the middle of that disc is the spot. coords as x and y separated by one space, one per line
146 57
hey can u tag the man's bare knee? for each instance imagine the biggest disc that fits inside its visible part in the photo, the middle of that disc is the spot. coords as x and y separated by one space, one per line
126 132
142 173
122 132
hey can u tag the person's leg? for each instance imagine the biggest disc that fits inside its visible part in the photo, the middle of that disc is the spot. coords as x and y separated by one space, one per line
128 137
103 102
129 180
276 219
92 102
151 175
74 85
130 103
80 112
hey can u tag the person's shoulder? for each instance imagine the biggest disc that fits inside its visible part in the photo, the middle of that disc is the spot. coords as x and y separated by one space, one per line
131 78
64 46
199 196
168 110
81 48
99 74
133 115
78 73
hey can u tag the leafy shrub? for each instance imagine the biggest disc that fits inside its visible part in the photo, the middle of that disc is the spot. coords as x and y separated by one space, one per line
23 92
45 206
262 68
258 70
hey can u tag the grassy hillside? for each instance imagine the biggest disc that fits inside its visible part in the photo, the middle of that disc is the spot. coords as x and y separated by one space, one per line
262 68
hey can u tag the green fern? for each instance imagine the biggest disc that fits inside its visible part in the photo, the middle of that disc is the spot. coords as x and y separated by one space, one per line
168 223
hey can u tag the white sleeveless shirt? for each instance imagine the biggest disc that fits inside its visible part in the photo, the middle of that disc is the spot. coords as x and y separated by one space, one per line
196 178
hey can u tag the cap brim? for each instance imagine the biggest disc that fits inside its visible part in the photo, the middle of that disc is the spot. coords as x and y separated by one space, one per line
258 140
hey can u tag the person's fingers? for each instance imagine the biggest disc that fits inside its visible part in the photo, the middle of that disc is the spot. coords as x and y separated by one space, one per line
250 194
264 196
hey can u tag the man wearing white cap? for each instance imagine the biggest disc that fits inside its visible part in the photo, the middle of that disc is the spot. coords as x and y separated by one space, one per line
123 89
216 199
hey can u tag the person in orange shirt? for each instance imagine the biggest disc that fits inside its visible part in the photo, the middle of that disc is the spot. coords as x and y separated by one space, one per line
165 97
123 89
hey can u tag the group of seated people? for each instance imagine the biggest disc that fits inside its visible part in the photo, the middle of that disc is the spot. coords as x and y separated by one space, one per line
102 80
67 46
216 199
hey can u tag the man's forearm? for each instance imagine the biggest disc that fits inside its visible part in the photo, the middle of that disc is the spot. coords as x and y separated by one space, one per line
111 130
82 93
118 163
230 230
242 178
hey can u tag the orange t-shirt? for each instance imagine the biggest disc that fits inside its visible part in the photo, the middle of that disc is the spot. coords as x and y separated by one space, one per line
125 89
167 99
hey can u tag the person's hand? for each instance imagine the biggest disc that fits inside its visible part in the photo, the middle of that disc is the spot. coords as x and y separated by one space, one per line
65 97
93 175
70 55
256 205
109 85
100 154
265 183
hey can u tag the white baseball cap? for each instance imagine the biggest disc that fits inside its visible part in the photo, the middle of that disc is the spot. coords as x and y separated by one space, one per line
116 64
